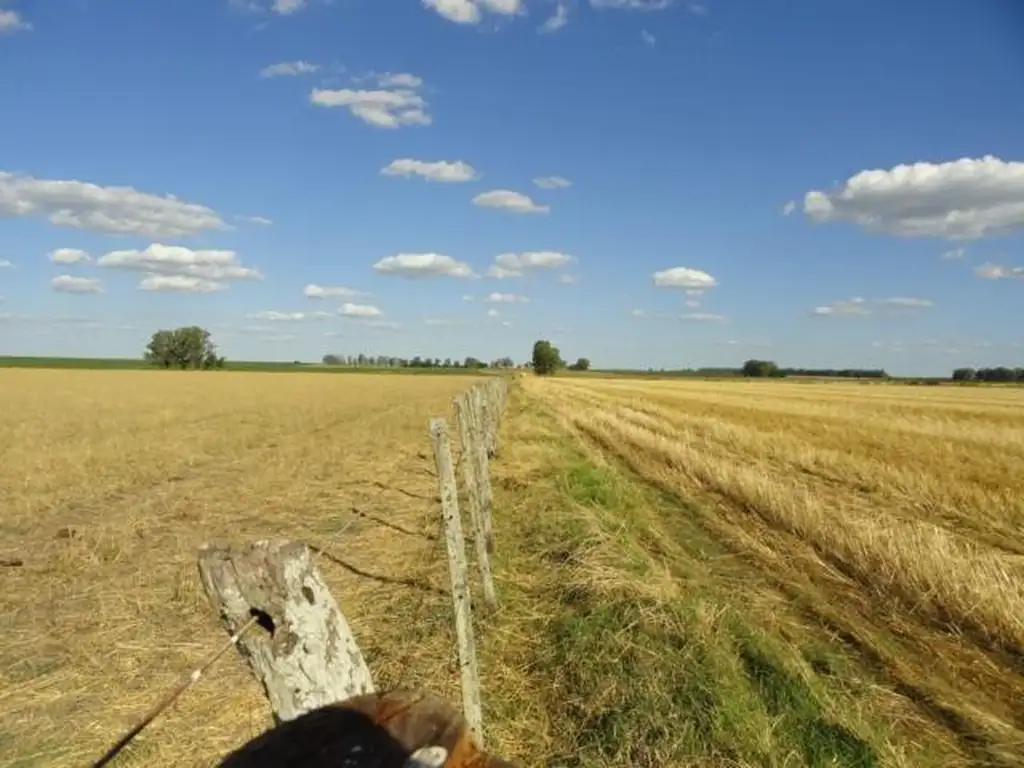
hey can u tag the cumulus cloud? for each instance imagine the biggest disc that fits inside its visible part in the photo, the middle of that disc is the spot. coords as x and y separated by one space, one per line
418 265
961 199
552 182
954 254
289 69
506 199
395 103
684 277
179 284
472 11
506 298
854 306
68 256
11 21
314 291
997 272
114 210
556 21
359 310
176 268
440 170
647 37
508 265
72 284
788 208
566 279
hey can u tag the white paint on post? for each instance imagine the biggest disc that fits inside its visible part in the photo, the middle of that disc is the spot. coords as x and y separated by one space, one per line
458 570
469 479
305 656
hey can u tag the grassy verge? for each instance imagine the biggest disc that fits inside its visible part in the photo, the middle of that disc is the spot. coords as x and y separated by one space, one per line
629 636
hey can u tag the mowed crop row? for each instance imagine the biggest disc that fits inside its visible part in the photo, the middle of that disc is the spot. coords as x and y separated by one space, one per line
890 515
109 483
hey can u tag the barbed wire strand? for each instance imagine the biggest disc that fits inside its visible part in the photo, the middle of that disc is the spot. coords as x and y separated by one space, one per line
195 676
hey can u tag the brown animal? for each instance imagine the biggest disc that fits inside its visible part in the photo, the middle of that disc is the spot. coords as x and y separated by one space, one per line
369 731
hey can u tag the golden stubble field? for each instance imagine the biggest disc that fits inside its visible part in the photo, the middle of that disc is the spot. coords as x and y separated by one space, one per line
109 483
890 517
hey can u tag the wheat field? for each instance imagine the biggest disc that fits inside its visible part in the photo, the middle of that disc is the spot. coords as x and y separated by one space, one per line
881 523
109 483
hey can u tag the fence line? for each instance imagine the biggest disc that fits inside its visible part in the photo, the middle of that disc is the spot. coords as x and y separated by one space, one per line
305 655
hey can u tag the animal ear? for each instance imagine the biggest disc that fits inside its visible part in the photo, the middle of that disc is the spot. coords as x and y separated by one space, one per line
427 757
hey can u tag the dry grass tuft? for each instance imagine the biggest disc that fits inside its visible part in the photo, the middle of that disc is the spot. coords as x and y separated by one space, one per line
110 481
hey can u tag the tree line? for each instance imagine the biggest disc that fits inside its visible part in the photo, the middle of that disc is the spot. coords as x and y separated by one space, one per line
388 361
1002 373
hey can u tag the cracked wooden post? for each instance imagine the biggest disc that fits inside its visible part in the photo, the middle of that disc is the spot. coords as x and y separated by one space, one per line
477 420
305 656
469 479
461 600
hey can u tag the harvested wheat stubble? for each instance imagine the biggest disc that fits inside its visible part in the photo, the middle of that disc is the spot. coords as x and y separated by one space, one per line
109 483
879 509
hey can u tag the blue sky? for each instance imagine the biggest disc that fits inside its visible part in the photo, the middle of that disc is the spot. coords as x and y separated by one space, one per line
645 182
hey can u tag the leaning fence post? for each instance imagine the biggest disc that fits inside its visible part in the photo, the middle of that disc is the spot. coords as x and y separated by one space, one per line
461 599
470 480
305 656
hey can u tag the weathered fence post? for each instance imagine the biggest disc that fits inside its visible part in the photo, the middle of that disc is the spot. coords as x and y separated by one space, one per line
461 599
478 426
469 476
308 658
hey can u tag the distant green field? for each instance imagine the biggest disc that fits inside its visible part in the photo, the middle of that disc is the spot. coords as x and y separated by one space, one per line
128 364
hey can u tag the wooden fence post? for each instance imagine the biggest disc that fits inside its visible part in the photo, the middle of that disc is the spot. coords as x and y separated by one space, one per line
470 480
477 420
308 657
461 599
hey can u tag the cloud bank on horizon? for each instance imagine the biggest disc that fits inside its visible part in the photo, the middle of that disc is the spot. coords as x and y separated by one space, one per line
637 180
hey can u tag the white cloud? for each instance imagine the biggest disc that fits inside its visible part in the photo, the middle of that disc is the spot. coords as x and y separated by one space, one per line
11 21
638 313
514 264
68 256
558 20
175 260
471 11
441 321
552 182
287 7
5 264
115 210
962 199
440 170
566 279
72 284
176 268
692 303
288 317
683 277
289 69
997 272
506 298
648 38
314 291
789 207
385 107
179 284
855 306
359 310
492 312
632 5
697 9
468 297
954 254
381 325
415 265
508 200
